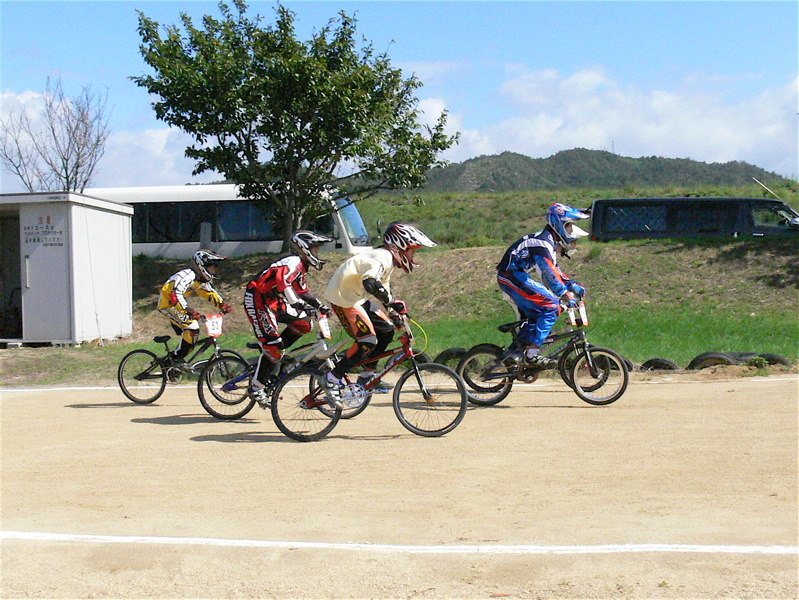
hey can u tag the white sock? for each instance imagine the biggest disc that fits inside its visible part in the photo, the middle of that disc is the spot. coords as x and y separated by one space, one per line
531 352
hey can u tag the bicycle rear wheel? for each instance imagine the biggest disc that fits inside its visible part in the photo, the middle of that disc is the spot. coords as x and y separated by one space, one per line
487 380
600 376
141 376
295 407
431 401
223 387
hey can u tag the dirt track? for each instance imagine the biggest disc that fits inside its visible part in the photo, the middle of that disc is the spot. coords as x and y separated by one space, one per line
711 464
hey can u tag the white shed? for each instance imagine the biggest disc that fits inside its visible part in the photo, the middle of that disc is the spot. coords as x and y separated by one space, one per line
66 270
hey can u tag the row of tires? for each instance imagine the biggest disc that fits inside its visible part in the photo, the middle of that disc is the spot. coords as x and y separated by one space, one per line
451 357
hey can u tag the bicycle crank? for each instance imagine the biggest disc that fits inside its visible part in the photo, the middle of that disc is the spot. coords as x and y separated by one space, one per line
353 395
528 374
174 375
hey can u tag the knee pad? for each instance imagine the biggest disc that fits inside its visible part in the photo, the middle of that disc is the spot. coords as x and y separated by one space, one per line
273 350
300 326
190 335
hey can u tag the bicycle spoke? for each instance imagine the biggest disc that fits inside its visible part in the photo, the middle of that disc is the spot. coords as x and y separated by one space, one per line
223 388
141 376
431 401
296 407
600 376
487 380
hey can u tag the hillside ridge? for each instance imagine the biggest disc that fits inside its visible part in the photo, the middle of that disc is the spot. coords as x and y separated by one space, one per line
582 168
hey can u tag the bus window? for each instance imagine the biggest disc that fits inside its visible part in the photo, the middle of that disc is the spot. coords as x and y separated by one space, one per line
632 219
774 215
242 221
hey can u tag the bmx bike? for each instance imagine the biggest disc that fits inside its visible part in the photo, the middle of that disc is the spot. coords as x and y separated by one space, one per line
598 375
429 399
143 375
224 386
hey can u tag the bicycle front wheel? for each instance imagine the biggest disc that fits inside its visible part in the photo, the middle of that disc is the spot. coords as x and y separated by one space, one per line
223 388
566 364
141 376
487 380
430 400
296 405
600 376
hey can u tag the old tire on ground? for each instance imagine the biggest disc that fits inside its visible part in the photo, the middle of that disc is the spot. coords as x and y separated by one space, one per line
450 357
712 359
660 364
771 359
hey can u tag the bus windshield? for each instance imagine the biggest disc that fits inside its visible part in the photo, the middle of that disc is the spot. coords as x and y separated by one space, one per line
356 230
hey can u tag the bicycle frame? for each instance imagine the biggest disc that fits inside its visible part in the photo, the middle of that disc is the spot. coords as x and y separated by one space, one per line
307 352
397 356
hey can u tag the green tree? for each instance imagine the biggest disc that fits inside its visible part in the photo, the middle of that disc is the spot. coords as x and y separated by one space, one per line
287 119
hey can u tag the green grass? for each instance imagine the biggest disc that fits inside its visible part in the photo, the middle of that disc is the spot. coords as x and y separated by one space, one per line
675 333
672 299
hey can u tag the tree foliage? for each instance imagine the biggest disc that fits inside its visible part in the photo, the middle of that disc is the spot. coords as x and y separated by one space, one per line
58 150
287 119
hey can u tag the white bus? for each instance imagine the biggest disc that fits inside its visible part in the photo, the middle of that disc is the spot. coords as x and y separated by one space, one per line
175 221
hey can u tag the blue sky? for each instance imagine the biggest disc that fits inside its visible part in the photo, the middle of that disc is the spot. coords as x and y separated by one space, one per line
711 81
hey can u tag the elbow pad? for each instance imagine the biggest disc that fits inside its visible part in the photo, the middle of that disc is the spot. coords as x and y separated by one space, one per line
374 287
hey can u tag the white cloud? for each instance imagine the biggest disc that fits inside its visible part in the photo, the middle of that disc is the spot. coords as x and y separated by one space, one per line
547 112
150 157
429 72
553 112
472 142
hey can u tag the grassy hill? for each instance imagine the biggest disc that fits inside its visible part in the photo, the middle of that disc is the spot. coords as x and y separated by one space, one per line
664 298
581 168
475 219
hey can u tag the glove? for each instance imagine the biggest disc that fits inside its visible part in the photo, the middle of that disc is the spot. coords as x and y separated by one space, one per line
305 308
225 308
325 311
399 307
577 289
569 300
194 315
396 319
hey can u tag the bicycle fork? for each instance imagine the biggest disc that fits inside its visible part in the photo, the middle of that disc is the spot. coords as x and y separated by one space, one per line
584 347
428 397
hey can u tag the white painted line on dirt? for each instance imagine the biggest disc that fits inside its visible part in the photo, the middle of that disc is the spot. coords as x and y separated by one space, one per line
404 549
86 388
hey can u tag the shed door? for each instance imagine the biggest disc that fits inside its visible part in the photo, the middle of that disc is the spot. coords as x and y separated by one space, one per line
44 249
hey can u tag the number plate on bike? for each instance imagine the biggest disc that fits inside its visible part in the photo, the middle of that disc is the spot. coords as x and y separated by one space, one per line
213 324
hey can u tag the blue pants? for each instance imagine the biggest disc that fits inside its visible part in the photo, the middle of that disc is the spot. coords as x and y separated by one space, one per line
532 301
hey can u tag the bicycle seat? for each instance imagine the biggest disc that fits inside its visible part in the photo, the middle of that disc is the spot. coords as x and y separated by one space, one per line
253 345
162 339
505 328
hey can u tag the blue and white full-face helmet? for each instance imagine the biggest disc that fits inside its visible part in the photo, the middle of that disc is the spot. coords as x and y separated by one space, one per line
558 216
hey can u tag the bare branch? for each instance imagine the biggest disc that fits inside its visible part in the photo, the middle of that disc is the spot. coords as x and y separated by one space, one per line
62 151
